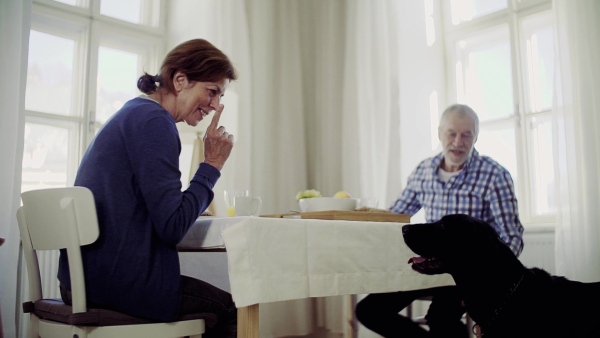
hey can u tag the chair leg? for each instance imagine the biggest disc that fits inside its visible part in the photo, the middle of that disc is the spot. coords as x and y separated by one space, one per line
409 311
474 330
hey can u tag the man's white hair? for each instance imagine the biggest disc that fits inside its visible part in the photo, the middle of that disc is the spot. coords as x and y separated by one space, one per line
462 109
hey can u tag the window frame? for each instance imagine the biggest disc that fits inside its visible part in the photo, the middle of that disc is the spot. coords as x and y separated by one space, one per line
512 16
91 30
103 34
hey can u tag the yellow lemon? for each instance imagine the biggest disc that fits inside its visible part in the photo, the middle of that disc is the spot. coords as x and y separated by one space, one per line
342 194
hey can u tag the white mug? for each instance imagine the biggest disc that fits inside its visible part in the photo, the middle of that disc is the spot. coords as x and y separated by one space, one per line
247 205
367 202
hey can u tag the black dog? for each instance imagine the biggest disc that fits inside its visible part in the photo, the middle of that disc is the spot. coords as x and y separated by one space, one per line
503 297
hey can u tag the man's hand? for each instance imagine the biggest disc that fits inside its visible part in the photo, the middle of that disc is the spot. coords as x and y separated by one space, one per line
217 142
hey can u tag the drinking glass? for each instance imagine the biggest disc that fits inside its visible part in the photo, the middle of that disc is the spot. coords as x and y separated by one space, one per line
230 196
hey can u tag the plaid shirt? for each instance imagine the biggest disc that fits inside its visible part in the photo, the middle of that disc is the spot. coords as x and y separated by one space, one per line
483 189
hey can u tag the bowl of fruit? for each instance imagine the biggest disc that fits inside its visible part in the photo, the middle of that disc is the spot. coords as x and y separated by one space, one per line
312 200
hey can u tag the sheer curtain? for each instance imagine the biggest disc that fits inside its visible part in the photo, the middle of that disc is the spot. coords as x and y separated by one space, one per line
265 113
14 37
294 128
321 88
264 107
390 76
578 123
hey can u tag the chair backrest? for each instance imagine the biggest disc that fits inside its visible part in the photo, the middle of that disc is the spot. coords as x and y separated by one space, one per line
65 218
58 218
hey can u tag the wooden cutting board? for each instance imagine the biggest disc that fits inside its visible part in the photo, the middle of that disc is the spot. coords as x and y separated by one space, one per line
365 216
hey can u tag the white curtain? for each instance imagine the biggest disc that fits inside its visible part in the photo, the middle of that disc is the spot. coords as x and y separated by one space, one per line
318 99
317 107
14 39
371 110
265 114
578 146
390 75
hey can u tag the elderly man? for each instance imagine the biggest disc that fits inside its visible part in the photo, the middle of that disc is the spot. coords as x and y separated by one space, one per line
456 181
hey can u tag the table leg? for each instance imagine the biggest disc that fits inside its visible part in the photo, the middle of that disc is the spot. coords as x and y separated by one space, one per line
350 323
248 321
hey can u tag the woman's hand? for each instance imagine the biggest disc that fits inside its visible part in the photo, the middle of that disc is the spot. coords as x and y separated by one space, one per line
217 142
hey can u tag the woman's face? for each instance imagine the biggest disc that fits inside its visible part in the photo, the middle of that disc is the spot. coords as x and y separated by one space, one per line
195 100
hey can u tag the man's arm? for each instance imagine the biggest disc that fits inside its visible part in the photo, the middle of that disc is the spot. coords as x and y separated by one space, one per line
407 202
505 209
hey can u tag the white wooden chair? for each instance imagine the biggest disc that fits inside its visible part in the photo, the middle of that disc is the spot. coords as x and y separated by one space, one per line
65 218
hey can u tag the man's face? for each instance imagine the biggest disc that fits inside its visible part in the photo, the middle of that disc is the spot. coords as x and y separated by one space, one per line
457 135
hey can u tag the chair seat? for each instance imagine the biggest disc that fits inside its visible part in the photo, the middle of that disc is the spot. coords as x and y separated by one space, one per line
57 310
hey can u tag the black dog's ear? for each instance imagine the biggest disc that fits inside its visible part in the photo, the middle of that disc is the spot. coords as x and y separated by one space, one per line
489 239
464 229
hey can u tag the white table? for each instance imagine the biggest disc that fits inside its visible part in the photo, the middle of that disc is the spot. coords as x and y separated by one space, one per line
273 259
205 237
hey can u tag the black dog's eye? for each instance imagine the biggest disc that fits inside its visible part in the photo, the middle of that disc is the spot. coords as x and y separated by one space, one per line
440 225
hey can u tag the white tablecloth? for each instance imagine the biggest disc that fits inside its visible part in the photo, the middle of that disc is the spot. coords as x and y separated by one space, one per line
278 319
210 267
206 232
272 259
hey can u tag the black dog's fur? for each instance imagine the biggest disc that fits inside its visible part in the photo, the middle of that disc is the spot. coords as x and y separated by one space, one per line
502 296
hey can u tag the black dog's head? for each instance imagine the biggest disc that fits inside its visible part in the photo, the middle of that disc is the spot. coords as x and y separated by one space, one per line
452 242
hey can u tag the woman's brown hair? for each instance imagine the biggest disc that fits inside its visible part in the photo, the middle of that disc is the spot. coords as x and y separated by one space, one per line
198 59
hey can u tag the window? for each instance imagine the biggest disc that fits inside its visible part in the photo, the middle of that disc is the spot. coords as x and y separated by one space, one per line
85 57
501 63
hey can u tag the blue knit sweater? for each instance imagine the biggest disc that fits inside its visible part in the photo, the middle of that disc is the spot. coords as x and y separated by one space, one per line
132 168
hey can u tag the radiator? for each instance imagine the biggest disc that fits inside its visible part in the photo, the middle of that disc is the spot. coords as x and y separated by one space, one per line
538 251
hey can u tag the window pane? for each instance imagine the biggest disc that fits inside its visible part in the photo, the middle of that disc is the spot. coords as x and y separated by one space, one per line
484 73
68 2
129 10
45 157
542 186
78 3
117 79
538 37
145 12
467 10
499 144
50 74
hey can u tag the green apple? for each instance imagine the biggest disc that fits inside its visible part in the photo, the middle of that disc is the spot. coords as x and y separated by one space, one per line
311 193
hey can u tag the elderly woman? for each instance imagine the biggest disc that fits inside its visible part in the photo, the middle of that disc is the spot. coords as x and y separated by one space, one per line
132 168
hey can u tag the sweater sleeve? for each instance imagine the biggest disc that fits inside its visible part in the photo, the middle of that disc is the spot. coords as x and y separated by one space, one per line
155 158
